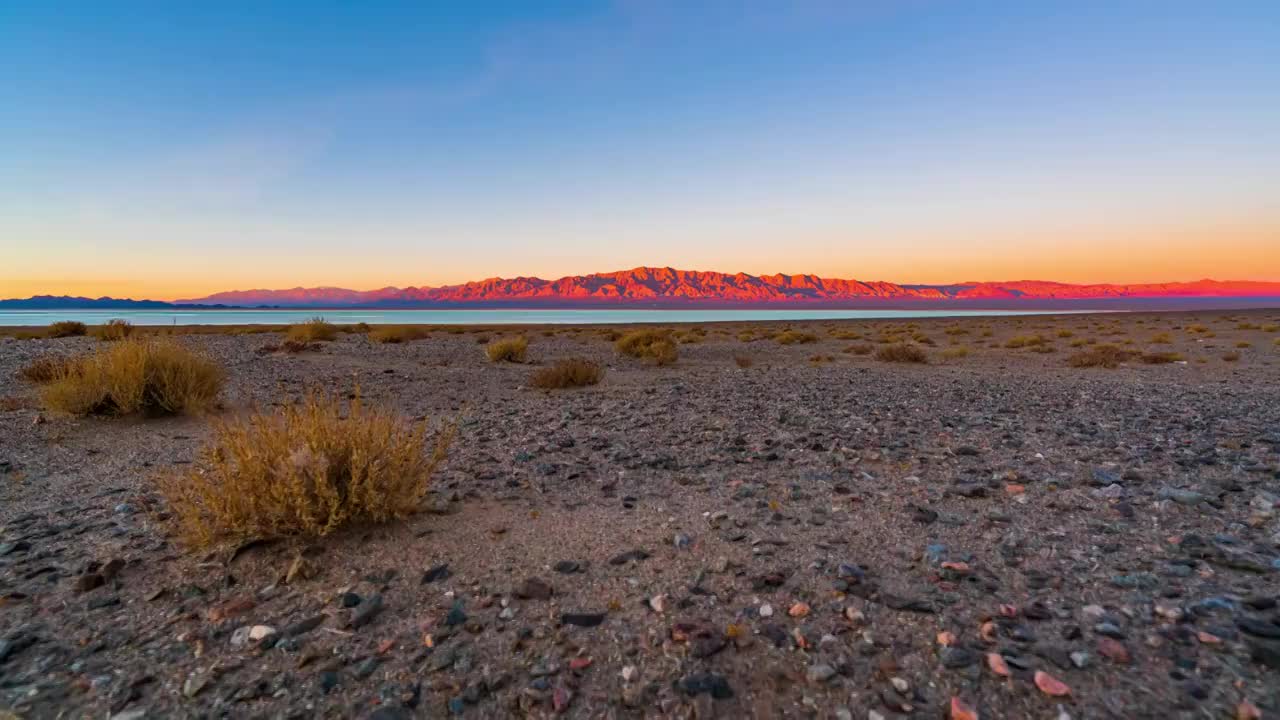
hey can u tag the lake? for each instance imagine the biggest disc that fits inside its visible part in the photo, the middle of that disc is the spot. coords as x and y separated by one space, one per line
475 317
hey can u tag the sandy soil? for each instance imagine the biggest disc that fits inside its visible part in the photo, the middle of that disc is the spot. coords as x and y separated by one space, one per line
791 539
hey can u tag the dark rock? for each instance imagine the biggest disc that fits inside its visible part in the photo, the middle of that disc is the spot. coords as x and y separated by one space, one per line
534 589
437 573
715 685
366 612
582 619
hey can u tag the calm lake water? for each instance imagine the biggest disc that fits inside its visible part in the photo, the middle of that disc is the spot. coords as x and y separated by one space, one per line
471 317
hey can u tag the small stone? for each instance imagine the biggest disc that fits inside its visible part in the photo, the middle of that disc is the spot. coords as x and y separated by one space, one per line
582 619
820 673
534 589
766 610
366 612
715 685
435 574
567 566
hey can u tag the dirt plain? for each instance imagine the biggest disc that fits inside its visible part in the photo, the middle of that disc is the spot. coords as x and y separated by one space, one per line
818 534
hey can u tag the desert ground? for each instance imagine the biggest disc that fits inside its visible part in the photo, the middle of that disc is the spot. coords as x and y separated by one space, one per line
772 526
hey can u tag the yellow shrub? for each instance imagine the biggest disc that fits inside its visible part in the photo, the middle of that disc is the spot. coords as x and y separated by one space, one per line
1107 356
902 352
573 372
955 353
46 369
114 330
656 345
66 328
308 469
792 337
1022 341
136 376
507 349
313 330
396 334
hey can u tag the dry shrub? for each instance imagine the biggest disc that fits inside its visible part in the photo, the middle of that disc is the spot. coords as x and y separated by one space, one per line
1246 326
293 347
859 349
11 403
314 330
572 372
1160 358
1064 333
1106 356
1022 341
1271 328
953 331
743 361
1161 339
1244 344
136 376
795 337
655 345
507 349
955 353
844 334
307 469
746 336
1231 356
394 334
44 370
820 359
903 353
66 328
114 330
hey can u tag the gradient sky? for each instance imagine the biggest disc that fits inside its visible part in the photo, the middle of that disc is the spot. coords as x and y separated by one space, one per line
167 149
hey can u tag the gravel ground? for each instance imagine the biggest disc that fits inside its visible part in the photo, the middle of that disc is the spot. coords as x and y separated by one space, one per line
816 535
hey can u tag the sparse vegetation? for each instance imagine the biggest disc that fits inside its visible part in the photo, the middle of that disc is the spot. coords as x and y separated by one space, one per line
1160 358
66 328
1105 356
656 345
44 370
859 349
573 372
1232 356
151 377
1022 341
794 337
1244 344
903 353
314 330
507 349
114 330
1161 339
394 334
308 469
955 353
743 361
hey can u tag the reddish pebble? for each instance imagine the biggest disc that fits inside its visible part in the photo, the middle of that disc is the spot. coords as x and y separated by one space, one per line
1248 711
798 610
579 663
1113 650
1050 685
960 710
946 639
997 664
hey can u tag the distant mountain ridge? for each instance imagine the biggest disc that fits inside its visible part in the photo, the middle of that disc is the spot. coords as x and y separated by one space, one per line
667 287
646 285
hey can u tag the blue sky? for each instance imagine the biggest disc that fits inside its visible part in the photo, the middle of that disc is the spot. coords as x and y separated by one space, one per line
165 148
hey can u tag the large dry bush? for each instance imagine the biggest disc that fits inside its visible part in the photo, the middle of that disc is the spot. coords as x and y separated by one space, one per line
1106 356
66 328
507 349
572 372
652 344
114 330
316 329
307 469
44 370
152 377
903 353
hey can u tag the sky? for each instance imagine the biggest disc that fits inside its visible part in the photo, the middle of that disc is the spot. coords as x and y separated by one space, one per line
166 149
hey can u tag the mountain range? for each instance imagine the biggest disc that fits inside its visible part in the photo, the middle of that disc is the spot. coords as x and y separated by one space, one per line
667 287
